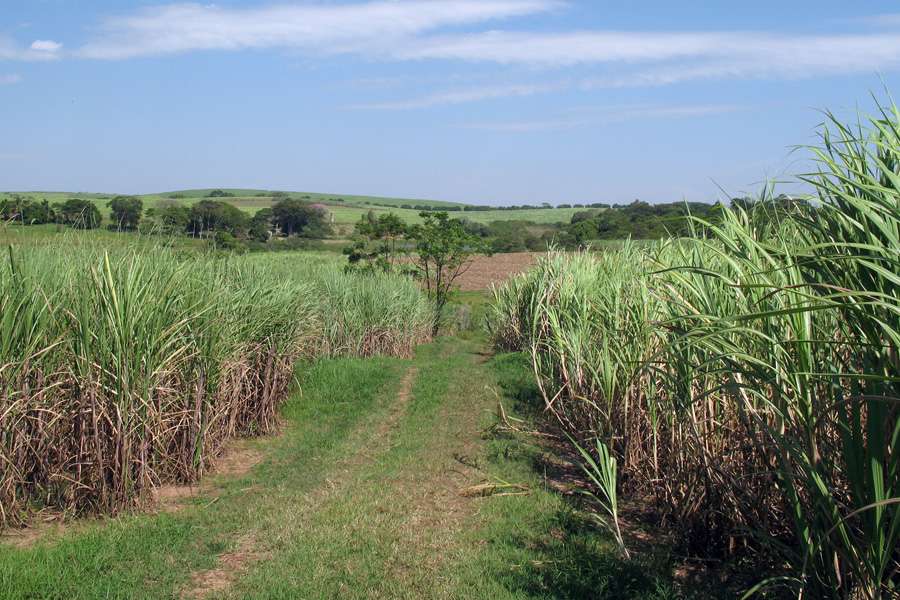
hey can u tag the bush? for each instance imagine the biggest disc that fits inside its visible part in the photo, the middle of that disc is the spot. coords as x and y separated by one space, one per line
225 241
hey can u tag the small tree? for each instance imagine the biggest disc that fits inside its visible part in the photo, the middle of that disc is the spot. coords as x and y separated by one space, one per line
126 211
261 225
376 243
81 214
444 251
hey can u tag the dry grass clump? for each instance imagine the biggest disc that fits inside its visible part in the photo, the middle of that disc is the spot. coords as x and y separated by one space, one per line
746 380
119 372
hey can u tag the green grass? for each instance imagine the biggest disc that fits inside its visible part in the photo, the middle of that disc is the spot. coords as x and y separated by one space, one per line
543 546
62 236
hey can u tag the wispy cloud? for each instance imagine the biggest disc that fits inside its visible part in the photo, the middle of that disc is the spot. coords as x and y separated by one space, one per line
462 96
564 49
885 20
10 79
595 116
37 51
364 26
745 52
630 60
45 46
641 78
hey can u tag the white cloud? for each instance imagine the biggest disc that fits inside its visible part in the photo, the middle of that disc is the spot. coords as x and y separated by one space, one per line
39 50
45 46
367 26
417 30
10 79
462 96
594 116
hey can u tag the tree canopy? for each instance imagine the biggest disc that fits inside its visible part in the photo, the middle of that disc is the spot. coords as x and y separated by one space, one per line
126 211
297 217
212 215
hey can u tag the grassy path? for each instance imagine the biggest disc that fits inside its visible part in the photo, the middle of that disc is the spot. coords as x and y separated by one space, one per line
370 492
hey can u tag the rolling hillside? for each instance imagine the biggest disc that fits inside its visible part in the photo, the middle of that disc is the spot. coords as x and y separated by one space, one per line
347 209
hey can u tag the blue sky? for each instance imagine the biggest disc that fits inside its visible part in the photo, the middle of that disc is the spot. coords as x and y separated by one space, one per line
487 101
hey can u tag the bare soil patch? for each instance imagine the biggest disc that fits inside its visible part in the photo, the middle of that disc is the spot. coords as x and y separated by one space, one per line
41 527
490 270
228 568
236 461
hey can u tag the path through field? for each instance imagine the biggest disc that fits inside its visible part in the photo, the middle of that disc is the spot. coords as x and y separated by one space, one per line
389 480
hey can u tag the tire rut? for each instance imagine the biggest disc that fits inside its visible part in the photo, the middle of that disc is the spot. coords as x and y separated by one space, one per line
248 551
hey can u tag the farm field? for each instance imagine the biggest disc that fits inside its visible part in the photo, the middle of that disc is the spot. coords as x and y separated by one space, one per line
488 271
613 312
708 415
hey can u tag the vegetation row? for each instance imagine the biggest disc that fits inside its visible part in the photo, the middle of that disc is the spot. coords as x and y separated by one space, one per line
743 382
122 371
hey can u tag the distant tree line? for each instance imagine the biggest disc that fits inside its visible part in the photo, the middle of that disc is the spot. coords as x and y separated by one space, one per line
638 220
483 208
125 212
208 218
229 225
293 218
